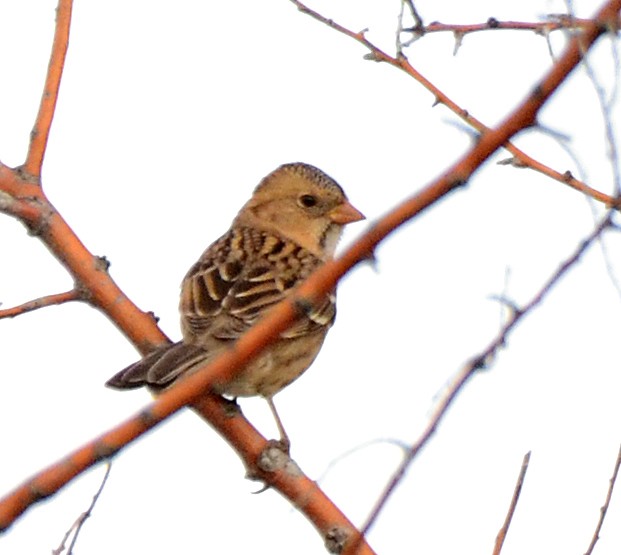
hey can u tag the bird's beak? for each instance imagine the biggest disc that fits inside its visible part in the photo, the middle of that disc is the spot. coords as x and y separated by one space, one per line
346 214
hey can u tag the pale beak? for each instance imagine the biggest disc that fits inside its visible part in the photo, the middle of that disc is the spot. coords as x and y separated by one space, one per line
346 214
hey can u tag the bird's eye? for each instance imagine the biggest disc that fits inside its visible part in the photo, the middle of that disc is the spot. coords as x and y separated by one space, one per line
307 201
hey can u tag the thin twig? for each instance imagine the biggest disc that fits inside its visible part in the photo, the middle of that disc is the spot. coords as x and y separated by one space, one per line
76 527
48 300
418 20
482 360
402 445
604 509
417 30
502 534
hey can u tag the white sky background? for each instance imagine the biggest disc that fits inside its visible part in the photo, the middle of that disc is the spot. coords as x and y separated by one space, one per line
169 115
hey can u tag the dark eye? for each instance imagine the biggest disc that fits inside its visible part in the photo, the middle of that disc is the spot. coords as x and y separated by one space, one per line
307 201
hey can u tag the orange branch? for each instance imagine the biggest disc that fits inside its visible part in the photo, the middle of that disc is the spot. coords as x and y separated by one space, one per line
277 470
43 123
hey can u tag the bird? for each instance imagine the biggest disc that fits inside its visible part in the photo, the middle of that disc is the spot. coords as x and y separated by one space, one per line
287 229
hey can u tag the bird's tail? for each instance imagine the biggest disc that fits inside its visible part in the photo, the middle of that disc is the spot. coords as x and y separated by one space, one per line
160 368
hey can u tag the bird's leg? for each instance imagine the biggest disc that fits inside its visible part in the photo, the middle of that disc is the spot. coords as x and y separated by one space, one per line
284 438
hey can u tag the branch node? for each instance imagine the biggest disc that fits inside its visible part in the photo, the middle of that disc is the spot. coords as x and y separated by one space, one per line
275 457
27 177
481 362
372 57
514 309
458 182
82 293
38 227
336 539
102 264
7 202
493 23
231 408
36 493
104 451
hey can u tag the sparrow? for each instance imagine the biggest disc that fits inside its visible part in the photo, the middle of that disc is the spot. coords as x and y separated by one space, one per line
288 228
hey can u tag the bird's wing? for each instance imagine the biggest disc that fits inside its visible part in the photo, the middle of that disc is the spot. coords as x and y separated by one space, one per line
241 276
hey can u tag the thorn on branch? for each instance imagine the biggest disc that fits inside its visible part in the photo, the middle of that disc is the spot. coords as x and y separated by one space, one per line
512 161
153 316
372 57
372 261
459 182
459 38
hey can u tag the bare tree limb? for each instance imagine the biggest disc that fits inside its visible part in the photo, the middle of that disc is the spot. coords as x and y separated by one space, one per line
502 533
604 509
